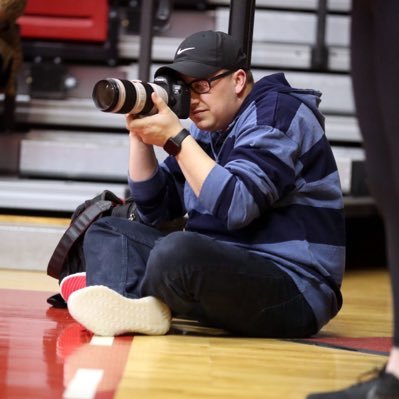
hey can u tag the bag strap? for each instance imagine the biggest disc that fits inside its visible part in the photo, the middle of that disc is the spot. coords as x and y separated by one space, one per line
76 229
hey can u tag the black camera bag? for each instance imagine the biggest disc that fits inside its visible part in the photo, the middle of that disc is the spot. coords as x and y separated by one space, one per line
68 257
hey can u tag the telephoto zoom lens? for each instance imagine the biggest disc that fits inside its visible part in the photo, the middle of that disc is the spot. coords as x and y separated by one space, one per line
126 97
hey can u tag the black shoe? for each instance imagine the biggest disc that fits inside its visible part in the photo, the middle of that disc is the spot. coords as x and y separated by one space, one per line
382 386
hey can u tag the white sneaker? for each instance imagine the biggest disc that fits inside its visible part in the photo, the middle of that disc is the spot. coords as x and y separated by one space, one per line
105 312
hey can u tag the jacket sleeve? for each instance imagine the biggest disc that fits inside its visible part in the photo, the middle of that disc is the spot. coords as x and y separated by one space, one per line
160 198
258 171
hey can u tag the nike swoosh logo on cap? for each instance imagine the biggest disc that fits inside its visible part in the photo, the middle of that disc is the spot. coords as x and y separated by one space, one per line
182 50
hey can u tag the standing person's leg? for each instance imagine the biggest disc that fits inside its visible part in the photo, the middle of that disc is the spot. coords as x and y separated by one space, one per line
375 65
378 87
387 71
226 287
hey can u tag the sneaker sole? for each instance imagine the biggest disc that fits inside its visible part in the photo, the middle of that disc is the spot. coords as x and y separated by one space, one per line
72 283
105 312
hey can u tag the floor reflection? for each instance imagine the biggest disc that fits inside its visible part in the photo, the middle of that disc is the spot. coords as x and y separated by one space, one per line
42 350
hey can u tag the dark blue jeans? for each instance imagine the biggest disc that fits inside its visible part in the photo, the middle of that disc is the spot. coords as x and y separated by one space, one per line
197 277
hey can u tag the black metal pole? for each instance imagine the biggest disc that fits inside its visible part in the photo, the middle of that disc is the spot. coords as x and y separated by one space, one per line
146 34
320 50
241 24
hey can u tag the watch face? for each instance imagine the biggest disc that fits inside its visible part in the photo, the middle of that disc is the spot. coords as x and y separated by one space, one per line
171 147
173 144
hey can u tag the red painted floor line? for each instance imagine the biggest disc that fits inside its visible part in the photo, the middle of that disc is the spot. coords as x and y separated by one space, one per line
371 345
42 349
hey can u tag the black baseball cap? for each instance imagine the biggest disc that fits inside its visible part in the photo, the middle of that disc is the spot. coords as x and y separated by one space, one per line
204 53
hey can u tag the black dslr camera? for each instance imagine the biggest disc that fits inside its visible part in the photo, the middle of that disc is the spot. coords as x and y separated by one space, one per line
133 97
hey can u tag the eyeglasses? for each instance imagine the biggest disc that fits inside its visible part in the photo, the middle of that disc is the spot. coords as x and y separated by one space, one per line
202 86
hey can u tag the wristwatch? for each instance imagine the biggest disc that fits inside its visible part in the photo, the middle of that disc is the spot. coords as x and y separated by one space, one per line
173 144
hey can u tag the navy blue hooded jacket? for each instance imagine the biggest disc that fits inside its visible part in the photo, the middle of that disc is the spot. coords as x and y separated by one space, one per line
275 190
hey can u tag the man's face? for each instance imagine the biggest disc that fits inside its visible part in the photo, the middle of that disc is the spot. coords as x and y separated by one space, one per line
214 110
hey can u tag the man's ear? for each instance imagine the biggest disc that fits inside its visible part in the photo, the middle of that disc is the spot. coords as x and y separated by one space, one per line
240 80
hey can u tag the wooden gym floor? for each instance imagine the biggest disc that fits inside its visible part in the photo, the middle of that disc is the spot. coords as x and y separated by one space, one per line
45 354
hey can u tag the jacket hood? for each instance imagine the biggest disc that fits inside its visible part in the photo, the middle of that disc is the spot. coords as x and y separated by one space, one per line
277 82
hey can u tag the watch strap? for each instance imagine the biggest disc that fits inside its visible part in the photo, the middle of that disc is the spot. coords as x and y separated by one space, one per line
173 144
